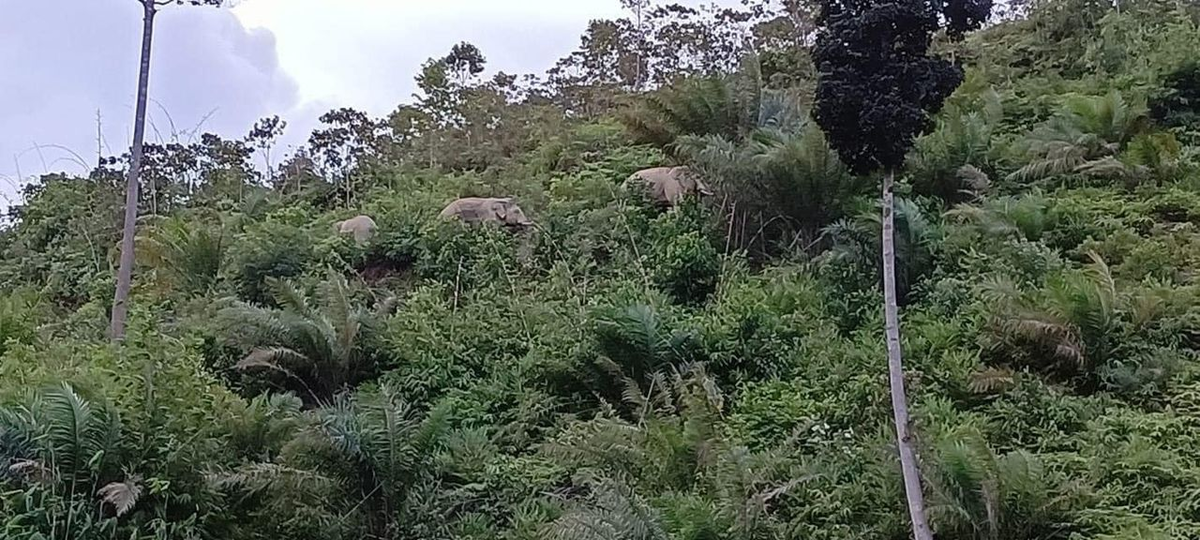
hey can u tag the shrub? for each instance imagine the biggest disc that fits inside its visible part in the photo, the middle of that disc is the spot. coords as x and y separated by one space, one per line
268 250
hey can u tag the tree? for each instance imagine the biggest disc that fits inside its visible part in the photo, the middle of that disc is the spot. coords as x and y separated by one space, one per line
877 88
262 136
120 306
638 8
465 62
348 140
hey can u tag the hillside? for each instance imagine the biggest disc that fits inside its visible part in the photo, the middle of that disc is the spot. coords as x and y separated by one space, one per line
617 370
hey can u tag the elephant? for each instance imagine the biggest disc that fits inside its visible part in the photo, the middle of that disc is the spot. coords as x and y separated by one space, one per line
499 211
668 186
362 227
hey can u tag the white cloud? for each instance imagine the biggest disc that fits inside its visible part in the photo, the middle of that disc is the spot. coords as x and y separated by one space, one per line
66 60
364 53
294 58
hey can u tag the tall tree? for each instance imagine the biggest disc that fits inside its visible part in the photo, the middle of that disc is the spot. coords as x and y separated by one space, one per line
638 8
120 308
876 90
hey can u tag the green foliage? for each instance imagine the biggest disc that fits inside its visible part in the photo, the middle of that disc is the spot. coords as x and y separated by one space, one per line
188 256
855 242
959 156
781 185
62 246
1085 138
983 495
1081 327
20 312
1177 104
268 250
710 372
706 106
314 350
463 256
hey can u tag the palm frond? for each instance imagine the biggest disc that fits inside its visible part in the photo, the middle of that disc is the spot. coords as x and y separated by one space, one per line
1086 130
288 296
1101 275
1111 168
992 379
632 339
78 435
612 512
122 496
320 346
257 478
281 359
1060 338
189 254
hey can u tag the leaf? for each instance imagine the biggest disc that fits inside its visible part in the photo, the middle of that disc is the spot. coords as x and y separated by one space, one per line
274 358
261 477
287 295
991 380
122 495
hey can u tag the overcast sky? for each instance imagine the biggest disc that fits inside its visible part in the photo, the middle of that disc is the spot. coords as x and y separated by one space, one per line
66 60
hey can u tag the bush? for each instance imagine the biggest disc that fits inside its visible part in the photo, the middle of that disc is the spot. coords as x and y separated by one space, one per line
268 250
462 257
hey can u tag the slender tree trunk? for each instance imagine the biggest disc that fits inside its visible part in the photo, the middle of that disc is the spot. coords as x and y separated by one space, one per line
120 308
904 439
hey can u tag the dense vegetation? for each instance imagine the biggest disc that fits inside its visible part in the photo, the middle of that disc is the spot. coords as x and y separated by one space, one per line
713 371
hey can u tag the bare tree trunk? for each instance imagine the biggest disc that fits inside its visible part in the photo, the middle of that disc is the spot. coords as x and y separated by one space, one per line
120 308
904 440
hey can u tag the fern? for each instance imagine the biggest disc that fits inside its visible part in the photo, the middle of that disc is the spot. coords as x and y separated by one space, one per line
188 254
1082 137
612 512
122 496
992 380
319 349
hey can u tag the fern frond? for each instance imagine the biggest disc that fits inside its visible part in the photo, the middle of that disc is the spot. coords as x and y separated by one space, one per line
612 512
991 380
122 496
281 359
257 478
287 295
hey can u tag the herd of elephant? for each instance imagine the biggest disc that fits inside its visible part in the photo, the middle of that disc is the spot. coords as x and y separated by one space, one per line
665 186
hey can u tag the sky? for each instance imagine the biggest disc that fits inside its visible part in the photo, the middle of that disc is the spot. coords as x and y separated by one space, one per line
69 62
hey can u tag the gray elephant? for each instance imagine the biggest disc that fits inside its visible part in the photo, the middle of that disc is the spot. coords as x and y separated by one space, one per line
498 211
668 186
362 227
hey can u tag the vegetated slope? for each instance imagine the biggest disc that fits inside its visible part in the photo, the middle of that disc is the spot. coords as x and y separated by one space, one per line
619 371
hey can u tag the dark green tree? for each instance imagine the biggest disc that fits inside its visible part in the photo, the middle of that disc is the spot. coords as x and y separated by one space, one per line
877 88
465 62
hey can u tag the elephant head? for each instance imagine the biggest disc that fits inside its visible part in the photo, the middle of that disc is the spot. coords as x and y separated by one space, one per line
691 182
509 213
